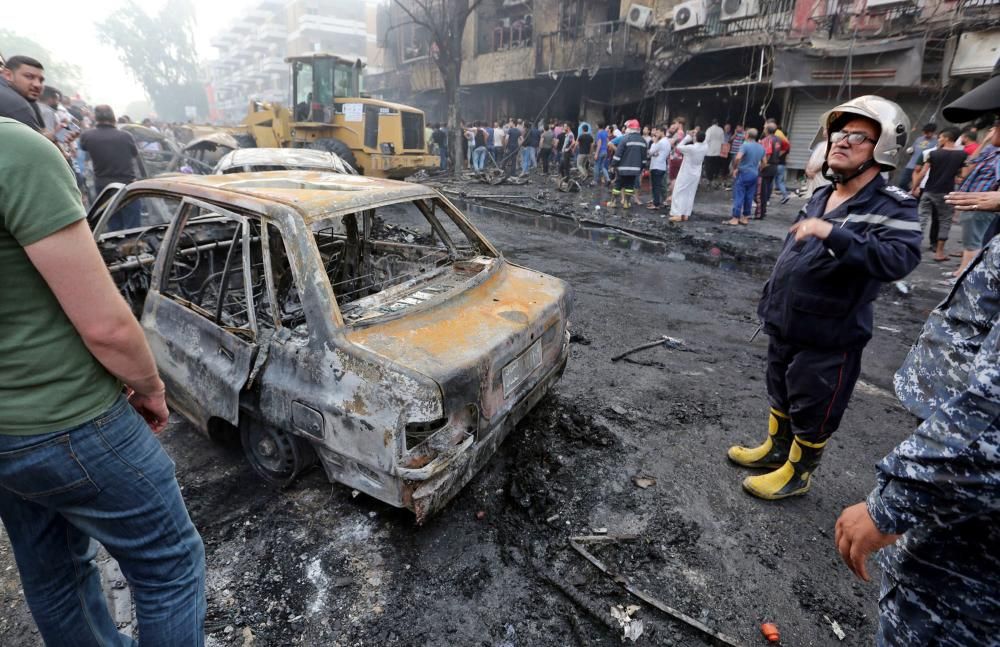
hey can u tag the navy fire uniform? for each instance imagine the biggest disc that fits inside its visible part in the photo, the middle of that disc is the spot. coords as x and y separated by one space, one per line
817 307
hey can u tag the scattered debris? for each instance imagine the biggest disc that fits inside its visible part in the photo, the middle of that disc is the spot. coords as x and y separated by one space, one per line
600 531
577 544
676 256
904 288
510 637
481 515
770 631
644 482
667 342
835 626
576 337
888 329
248 637
631 626
569 185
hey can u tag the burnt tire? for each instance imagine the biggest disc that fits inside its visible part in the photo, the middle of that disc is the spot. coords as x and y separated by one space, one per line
245 141
275 455
338 148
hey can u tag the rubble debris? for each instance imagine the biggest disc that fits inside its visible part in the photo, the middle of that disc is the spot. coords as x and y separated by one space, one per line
770 631
577 544
480 515
632 626
578 338
837 629
644 482
668 342
568 185
889 329
903 287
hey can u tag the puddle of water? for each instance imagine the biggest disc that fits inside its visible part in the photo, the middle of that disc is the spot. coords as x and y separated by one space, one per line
603 235
703 253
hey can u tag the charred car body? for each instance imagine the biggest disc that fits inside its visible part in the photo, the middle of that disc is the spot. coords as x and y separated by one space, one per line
365 323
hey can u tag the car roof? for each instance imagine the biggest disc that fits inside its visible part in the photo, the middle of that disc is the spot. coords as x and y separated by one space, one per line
302 157
315 195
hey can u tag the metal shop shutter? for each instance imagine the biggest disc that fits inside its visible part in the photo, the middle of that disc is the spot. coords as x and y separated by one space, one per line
802 129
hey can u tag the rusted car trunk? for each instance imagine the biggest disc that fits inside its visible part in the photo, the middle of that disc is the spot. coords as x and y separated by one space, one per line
464 344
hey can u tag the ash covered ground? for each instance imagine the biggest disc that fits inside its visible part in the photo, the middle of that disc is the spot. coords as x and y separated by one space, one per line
314 565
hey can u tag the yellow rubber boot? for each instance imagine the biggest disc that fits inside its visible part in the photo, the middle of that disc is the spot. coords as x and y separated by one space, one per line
773 451
791 479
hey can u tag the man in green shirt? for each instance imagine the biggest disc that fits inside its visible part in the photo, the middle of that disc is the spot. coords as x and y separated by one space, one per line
79 463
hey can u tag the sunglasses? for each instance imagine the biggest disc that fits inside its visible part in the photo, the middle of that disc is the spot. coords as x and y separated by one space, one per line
854 139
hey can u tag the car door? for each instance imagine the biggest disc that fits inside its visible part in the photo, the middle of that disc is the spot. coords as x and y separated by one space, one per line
101 203
200 317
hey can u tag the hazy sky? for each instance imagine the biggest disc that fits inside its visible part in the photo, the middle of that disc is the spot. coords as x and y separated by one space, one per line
66 28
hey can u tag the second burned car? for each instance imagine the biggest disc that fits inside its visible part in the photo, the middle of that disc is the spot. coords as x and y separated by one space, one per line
363 323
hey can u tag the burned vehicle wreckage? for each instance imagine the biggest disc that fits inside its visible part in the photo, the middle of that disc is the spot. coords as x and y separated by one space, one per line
360 322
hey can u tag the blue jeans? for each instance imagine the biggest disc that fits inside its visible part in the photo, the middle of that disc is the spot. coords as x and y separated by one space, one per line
779 181
479 158
744 188
601 168
108 481
527 158
443 151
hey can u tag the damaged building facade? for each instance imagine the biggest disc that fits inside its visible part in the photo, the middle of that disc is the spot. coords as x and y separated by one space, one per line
252 52
737 61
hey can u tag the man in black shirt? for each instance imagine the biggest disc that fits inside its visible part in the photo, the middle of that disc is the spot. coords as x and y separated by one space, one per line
943 164
583 145
529 149
21 82
112 153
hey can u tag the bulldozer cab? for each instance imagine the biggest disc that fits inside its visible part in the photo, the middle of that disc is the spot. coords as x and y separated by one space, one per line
318 80
328 112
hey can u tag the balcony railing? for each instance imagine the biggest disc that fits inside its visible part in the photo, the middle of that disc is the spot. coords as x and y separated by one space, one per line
589 47
773 17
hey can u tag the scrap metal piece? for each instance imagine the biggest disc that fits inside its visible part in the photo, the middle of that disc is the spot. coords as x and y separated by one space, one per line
669 342
577 544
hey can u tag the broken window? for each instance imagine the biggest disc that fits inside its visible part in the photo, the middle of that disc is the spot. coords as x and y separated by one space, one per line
414 42
142 211
508 25
388 249
206 271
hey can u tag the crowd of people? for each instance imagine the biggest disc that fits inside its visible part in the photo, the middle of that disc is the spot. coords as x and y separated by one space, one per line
81 463
674 153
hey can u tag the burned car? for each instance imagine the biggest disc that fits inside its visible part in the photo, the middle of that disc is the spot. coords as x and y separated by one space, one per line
362 323
256 160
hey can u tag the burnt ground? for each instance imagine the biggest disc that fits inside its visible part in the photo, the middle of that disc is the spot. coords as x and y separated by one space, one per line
314 565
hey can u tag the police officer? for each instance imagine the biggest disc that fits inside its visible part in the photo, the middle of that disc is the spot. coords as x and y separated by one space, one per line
631 155
938 492
851 237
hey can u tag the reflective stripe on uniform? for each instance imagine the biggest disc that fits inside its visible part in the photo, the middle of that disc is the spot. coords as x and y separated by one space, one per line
630 168
875 219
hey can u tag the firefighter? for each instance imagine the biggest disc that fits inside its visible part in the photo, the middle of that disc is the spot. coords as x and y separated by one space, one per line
817 307
629 160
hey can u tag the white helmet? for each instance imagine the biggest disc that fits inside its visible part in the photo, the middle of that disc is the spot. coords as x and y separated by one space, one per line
893 123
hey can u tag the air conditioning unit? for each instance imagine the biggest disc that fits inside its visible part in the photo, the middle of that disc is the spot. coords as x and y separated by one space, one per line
736 9
688 15
885 4
639 16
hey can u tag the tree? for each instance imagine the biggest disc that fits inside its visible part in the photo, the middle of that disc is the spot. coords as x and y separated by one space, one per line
445 21
59 74
160 52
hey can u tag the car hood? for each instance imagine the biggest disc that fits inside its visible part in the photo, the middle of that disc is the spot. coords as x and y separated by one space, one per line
465 341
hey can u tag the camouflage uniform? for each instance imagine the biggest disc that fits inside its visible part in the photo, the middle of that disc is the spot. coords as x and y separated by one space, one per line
941 486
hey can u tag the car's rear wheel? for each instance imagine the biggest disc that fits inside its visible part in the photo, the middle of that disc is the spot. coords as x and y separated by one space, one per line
338 148
274 454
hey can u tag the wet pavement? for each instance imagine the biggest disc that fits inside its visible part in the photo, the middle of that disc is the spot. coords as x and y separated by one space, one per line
317 565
